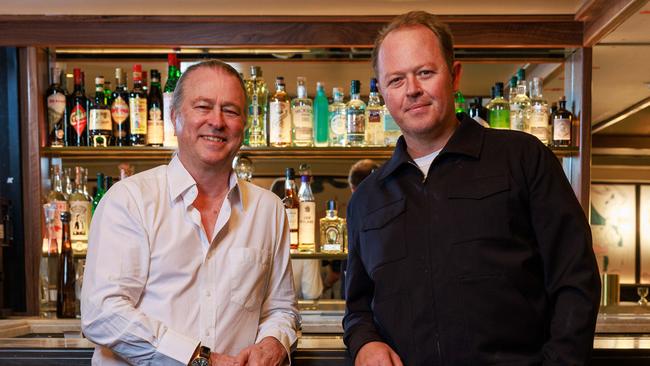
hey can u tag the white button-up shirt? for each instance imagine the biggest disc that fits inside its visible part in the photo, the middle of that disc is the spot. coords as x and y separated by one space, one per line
155 286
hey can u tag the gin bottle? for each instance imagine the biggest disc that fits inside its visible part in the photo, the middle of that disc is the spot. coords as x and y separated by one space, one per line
279 116
374 117
302 117
499 116
258 94
519 105
333 233
356 116
337 117
538 112
306 217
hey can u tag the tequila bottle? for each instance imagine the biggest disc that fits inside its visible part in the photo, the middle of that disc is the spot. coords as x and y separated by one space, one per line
499 108
337 119
258 94
321 116
306 217
302 117
374 117
356 116
279 116
80 213
538 112
562 124
291 206
333 232
519 105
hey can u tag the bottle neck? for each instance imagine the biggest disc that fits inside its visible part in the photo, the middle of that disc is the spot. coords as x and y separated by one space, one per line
355 96
302 92
58 183
331 214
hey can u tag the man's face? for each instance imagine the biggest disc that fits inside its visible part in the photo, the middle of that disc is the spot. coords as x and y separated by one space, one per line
211 118
416 83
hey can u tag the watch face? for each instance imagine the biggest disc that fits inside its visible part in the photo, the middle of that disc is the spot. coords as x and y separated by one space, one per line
200 361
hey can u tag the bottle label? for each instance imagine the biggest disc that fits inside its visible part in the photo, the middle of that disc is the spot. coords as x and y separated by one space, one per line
562 129
279 123
119 110
79 220
155 127
57 226
99 119
517 120
55 108
356 121
292 216
337 123
333 241
307 222
169 133
303 122
138 114
389 123
539 124
374 117
78 119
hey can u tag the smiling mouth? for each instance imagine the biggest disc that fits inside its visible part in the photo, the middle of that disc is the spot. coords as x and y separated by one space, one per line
213 138
416 107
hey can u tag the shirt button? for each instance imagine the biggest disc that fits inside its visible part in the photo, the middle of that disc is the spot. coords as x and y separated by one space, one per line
207 293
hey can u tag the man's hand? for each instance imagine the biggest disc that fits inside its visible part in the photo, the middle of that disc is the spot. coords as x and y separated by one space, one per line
377 354
218 359
269 352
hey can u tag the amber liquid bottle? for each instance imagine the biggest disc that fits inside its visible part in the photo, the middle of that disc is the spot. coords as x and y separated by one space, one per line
291 206
65 297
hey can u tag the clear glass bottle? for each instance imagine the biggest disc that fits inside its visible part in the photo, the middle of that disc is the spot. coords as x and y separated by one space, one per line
337 119
499 116
539 112
258 94
291 206
80 213
519 105
58 199
321 117
562 125
356 116
374 117
333 232
100 129
302 117
279 116
49 267
512 88
306 217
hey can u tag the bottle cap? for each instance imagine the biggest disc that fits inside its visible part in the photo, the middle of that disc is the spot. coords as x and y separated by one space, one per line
304 178
373 85
155 75
171 59
77 76
65 216
256 71
137 68
331 205
355 86
99 80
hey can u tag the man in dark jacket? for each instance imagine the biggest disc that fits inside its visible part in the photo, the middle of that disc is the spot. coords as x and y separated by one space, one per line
468 247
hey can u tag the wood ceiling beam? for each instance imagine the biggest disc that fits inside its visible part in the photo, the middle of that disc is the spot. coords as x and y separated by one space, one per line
537 31
621 141
600 17
620 116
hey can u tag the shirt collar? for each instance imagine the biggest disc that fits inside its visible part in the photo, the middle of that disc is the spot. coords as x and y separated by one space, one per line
182 184
466 140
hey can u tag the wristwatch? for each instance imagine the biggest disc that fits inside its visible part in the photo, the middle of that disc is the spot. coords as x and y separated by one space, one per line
201 356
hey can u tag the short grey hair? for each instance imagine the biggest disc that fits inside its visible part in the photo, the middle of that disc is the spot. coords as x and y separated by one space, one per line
179 91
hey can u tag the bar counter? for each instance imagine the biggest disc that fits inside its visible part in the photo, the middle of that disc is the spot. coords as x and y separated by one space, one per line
622 339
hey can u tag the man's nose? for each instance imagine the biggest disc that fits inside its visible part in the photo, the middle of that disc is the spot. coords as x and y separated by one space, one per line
413 87
216 119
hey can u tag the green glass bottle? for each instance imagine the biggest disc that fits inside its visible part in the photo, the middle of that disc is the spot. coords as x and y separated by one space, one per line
499 108
101 189
173 74
459 102
321 116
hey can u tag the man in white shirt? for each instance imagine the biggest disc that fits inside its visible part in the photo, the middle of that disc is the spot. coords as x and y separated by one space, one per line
187 264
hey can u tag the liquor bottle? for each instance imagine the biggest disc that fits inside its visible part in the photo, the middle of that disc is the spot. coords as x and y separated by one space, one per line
56 102
539 112
80 212
138 109
120 110
306 217
302 117
145 82
107 93
155 124
78 113
173 73
521 78
333 232
374 117
291 207
355 112
99 117
279 116
499 116
562 125
68 185
337 119
58 199
478 112
101 189
49 266
65 298
258 94
459 102
512 88
391 129
519 105
321 116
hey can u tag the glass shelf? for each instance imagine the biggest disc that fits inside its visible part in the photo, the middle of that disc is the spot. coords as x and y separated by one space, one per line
327 256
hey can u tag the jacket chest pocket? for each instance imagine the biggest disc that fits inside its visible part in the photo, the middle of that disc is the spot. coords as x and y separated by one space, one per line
382 236
249 277
479 209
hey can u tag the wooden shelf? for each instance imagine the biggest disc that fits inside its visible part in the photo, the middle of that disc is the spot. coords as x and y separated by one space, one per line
327 256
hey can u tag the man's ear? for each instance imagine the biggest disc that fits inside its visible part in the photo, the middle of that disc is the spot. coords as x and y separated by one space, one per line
456 72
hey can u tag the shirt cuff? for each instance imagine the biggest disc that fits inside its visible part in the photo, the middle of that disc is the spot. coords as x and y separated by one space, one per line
177 346
282 338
